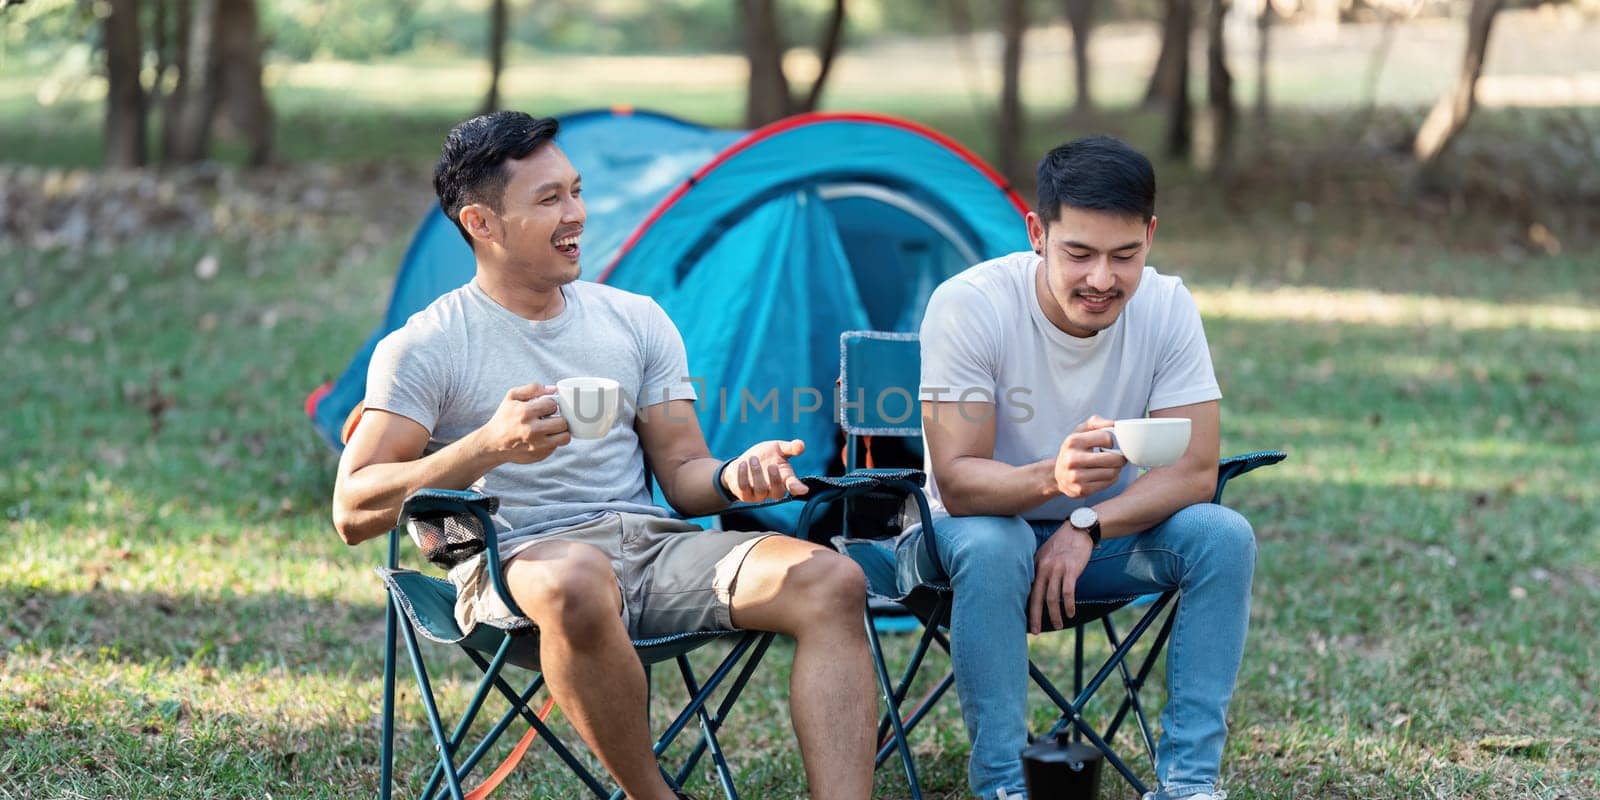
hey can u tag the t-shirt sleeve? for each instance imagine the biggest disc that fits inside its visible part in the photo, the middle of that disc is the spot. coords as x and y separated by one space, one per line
408 375
1183 373
666 364
960 345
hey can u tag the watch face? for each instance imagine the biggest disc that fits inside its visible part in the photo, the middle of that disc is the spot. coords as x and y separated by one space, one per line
1083 517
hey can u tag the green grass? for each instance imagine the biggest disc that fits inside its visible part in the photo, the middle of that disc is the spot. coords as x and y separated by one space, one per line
180 621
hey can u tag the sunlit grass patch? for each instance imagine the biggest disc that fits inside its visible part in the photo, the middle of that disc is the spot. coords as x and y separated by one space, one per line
1370 307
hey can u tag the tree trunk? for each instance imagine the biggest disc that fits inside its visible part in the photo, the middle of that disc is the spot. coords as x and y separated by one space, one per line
1223 114
125 101
1375 65
161 45
1176 24
1080 17
1450 114
178 61
767 91
497 55
832 39
1180 114
960 14
196 95
1263 44
237 62
1012 28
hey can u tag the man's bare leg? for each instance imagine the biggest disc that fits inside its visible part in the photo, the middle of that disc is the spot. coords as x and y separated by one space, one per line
818 597
570 591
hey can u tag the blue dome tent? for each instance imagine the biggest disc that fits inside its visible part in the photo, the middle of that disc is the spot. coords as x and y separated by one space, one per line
761 246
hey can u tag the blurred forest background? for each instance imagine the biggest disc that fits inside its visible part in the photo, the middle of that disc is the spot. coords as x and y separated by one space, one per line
1373 78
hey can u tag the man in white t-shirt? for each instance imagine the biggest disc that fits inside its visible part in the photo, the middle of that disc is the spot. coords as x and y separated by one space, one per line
1026 360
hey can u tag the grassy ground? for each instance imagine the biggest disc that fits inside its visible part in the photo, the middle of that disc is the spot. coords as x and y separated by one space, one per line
179 621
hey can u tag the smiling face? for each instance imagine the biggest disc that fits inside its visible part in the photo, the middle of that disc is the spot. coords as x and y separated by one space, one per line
1092 264
533 237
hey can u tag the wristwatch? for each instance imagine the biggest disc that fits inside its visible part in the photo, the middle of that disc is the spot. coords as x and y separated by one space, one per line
1085 519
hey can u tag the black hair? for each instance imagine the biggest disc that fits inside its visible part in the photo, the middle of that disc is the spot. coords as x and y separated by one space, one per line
472 166
1097 173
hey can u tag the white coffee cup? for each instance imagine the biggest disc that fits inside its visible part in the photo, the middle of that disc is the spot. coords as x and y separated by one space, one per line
1152 441
590 405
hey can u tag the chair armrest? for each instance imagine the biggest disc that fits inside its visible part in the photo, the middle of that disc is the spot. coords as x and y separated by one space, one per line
451 501
858 480
826 489
1234 466
853 483
473 512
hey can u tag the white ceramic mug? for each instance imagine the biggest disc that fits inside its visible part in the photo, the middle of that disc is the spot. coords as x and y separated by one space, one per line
1152 441
590 405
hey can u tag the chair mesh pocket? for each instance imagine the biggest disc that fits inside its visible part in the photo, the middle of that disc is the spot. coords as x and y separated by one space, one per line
447 539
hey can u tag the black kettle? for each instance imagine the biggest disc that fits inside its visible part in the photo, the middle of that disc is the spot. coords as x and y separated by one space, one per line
1057 768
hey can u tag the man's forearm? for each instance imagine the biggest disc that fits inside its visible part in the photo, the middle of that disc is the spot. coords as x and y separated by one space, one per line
693 491
367 503
1154 496
974 486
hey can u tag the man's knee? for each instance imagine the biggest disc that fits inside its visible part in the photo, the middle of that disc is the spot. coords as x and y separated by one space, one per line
1220 535
1232 532
575 588
830 583
992 550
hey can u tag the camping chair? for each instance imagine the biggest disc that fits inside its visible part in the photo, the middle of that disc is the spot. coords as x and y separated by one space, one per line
450 525
875 366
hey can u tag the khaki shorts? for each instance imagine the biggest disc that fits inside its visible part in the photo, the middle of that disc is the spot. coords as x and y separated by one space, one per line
674 577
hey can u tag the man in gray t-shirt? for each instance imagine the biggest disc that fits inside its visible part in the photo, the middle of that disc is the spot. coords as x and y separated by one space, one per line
460 397
1026 361
450 365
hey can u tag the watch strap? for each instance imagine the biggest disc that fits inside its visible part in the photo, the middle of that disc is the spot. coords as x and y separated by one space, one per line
722 490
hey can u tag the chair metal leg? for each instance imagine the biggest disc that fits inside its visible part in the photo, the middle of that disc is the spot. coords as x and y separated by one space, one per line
386 757
489 739
1136 683
426 691
1071 710
909 674
886 745
893 698
708 725
491 670
470 714
1139 787
1077 667
1130 696
551 740
759 643
1100 676
1071 715
934 635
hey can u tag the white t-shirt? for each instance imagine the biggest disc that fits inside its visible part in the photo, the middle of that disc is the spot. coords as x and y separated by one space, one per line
985 337
452 363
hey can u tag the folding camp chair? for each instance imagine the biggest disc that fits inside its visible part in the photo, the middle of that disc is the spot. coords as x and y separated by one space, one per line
450 525
878 366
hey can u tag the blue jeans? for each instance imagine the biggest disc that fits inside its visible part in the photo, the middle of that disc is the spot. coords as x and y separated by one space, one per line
1206 551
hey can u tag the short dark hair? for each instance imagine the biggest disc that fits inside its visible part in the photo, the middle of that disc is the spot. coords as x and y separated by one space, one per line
472 167
1097 173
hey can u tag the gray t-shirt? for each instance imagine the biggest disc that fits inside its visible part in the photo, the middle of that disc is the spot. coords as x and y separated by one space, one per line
985 337
452 363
